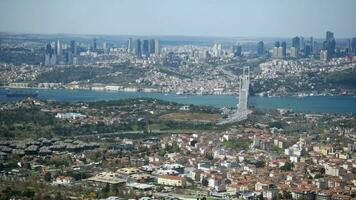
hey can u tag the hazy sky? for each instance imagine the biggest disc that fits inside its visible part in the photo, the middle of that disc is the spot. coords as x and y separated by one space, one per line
265 18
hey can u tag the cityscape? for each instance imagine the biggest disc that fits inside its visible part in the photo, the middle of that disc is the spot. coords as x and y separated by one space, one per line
166 105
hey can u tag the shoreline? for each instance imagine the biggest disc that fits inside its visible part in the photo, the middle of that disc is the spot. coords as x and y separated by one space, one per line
300 95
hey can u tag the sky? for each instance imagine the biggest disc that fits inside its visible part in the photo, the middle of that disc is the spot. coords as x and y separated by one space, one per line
223 18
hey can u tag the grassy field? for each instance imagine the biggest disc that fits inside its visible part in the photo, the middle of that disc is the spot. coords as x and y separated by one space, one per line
186 116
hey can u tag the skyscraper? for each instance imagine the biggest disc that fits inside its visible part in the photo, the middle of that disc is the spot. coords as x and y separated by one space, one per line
311 43
73 47
293 52
280 52
324 55
284 49
217 49
277 44
275 52
329 35
329 44
94 44
307 50
58 48
353 46
129 46
145 48
260 48
152 47
138 48
50 56
157 47
104 46
237 49
302 43
296 43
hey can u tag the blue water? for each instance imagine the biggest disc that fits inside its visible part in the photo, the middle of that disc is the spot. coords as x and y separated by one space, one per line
318 104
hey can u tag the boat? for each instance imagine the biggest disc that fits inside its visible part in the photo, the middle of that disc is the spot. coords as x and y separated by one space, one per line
21 94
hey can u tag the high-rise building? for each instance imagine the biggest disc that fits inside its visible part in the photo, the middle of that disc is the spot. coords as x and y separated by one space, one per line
260 48
311 43
307 50
104 46
217 49
275 52
280 53
129 46
353 46
302 43
50 56
277 44
293 52
296 43
152 47
73 47
330 44
324 55
138 48
157 47
329 35
284 49
94 44
58 48
49 49
237 49
145 48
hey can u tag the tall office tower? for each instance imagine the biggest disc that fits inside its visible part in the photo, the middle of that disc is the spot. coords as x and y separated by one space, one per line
145 48
329 35
129 46
294 52
237 49
296 43
330 44
307 50
284 51
324 55
277 44
260 48
50 56
73 47
94 44
69 57
49 49
157 47
275 52
138 48
104 46
53 59
302 43
311 43
217 49
152 47
353 46
280 52
58 48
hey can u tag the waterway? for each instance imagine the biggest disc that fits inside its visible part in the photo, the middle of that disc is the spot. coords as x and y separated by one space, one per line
312 104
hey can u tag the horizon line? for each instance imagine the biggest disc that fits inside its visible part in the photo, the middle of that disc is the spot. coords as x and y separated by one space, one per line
167 35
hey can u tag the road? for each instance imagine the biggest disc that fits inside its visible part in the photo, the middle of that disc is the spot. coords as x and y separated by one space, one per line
132 132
